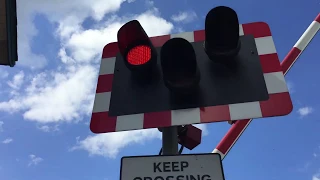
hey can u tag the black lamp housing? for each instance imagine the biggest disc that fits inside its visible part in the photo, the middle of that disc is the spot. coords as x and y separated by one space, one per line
222 34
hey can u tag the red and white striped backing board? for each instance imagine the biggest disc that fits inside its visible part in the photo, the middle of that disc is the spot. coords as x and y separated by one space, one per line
279 102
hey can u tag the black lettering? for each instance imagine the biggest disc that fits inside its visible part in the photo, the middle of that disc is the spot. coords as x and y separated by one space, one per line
158 178
180 177
199 177
192 177
175 166
184 164
147 178
137 178
156 167
166 167
168 178
205 177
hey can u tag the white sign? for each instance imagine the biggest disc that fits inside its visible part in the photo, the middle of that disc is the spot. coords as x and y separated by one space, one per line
176 167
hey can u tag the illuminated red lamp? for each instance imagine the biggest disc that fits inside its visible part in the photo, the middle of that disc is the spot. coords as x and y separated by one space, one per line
139 55
135 47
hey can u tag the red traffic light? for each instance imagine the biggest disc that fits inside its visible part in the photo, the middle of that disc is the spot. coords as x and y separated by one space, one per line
136 47
139 55
179 66
222 33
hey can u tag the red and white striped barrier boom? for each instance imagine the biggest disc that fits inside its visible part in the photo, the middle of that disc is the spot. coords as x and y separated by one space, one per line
240 126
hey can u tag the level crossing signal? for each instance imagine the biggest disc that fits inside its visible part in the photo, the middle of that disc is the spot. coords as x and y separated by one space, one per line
228 71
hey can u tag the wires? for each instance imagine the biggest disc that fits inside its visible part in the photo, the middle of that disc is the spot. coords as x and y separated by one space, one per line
181 149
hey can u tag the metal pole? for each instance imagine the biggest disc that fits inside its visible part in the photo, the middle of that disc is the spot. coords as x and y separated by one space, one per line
170 140
239 127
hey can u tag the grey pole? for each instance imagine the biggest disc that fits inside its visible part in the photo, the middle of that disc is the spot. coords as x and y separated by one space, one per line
170 140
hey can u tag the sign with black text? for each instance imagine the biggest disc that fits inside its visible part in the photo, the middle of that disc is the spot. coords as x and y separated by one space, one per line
172 167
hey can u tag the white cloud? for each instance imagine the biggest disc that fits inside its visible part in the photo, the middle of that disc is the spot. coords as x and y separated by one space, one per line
204 129
4 74
34 160
44 128
305 167
110 144
17 81
1 126
51 96
304 111
47 128
67 14
316 177
149 3
7 141
184 17
290 86
26 31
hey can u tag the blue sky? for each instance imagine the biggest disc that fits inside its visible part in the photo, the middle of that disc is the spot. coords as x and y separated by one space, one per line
46 100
